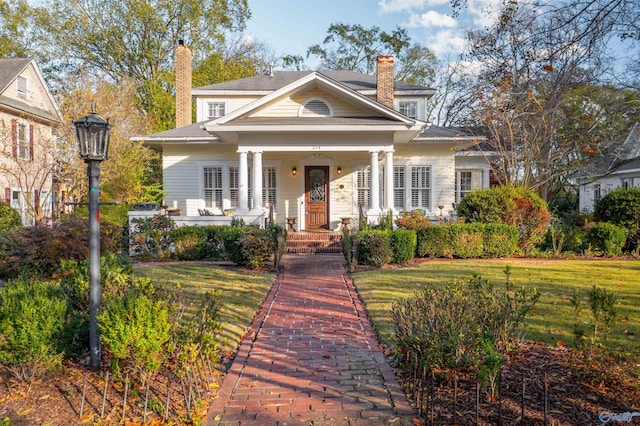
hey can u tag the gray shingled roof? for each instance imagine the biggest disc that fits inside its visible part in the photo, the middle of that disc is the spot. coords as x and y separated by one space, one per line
353 80
9 69
440 132
191 131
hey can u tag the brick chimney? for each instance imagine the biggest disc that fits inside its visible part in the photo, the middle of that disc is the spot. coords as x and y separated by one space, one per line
385 81
183 84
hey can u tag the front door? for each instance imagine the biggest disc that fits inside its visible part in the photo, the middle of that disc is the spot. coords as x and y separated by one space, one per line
317 197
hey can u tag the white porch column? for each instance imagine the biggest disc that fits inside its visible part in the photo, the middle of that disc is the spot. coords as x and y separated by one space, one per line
374 183
257 180
388 180
243 183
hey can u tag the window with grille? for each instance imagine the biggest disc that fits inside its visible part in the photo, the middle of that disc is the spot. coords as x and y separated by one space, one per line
269 187
213 187
464 184
408 108
216 109
597 192
23 90
399 185
421 187
363 177
233 186
23 145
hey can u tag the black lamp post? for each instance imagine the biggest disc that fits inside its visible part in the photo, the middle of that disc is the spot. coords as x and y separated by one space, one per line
93 134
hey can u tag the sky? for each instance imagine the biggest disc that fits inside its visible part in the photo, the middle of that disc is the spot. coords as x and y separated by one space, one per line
291 26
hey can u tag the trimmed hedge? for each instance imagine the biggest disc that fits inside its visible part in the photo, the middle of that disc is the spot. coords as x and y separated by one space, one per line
190 242
403 243
467 240
374 247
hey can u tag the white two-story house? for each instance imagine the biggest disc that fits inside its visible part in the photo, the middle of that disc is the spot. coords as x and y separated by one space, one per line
316 147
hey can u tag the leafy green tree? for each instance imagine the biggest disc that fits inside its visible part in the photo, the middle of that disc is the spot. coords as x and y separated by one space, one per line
9 218
135 40
355 48
14 24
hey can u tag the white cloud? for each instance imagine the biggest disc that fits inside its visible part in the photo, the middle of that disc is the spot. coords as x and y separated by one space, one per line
484 13
402 5
431 19
447 42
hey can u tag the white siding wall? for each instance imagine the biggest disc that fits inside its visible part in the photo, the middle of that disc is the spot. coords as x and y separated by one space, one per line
233 103
586 196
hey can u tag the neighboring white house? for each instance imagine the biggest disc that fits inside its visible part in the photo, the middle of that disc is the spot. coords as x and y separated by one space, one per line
28 114
314 146
617 169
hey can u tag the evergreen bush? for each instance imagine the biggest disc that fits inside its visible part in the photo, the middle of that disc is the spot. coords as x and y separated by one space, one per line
499 240
373 247
434 241
9 218
509 205
189 242
607 238
466 240
403 244
32 320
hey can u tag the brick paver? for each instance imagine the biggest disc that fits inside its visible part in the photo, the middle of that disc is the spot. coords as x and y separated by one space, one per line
311 357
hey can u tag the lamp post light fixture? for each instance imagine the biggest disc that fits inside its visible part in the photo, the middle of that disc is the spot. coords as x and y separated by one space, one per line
93 134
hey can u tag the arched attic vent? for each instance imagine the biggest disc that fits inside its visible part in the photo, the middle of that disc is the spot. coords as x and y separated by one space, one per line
315 107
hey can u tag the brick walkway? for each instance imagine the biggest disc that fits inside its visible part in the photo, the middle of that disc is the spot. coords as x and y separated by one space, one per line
310 357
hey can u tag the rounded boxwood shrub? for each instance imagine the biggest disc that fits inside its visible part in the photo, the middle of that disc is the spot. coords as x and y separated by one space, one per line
622 207
9 218
190 242
516 206
403 243
607 238
374 247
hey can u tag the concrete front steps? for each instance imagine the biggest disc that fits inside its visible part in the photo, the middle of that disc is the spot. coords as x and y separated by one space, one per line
314 242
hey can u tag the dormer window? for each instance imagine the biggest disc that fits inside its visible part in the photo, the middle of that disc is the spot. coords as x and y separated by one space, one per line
22 87
315 107
408 108
216 109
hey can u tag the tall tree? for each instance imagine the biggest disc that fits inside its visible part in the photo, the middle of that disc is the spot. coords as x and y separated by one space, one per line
15 35
530 61
355 48
135 39
124 175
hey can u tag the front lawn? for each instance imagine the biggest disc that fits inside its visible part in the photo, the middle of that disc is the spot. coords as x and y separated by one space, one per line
242 293
553 317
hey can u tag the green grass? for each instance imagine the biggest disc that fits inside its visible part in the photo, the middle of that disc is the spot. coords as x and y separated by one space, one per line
242 293
553 316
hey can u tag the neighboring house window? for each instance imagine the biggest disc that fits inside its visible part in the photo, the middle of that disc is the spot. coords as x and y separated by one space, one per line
23 89
597 192
408 108
19 203
627 183
315 107
269 194
216 109
421 187
464 184
399 185
363 177
213 187
23 142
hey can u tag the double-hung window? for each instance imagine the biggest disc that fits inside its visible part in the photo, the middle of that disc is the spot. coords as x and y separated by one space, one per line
23 144
464 183
408 108
421 187
220 186
216 109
